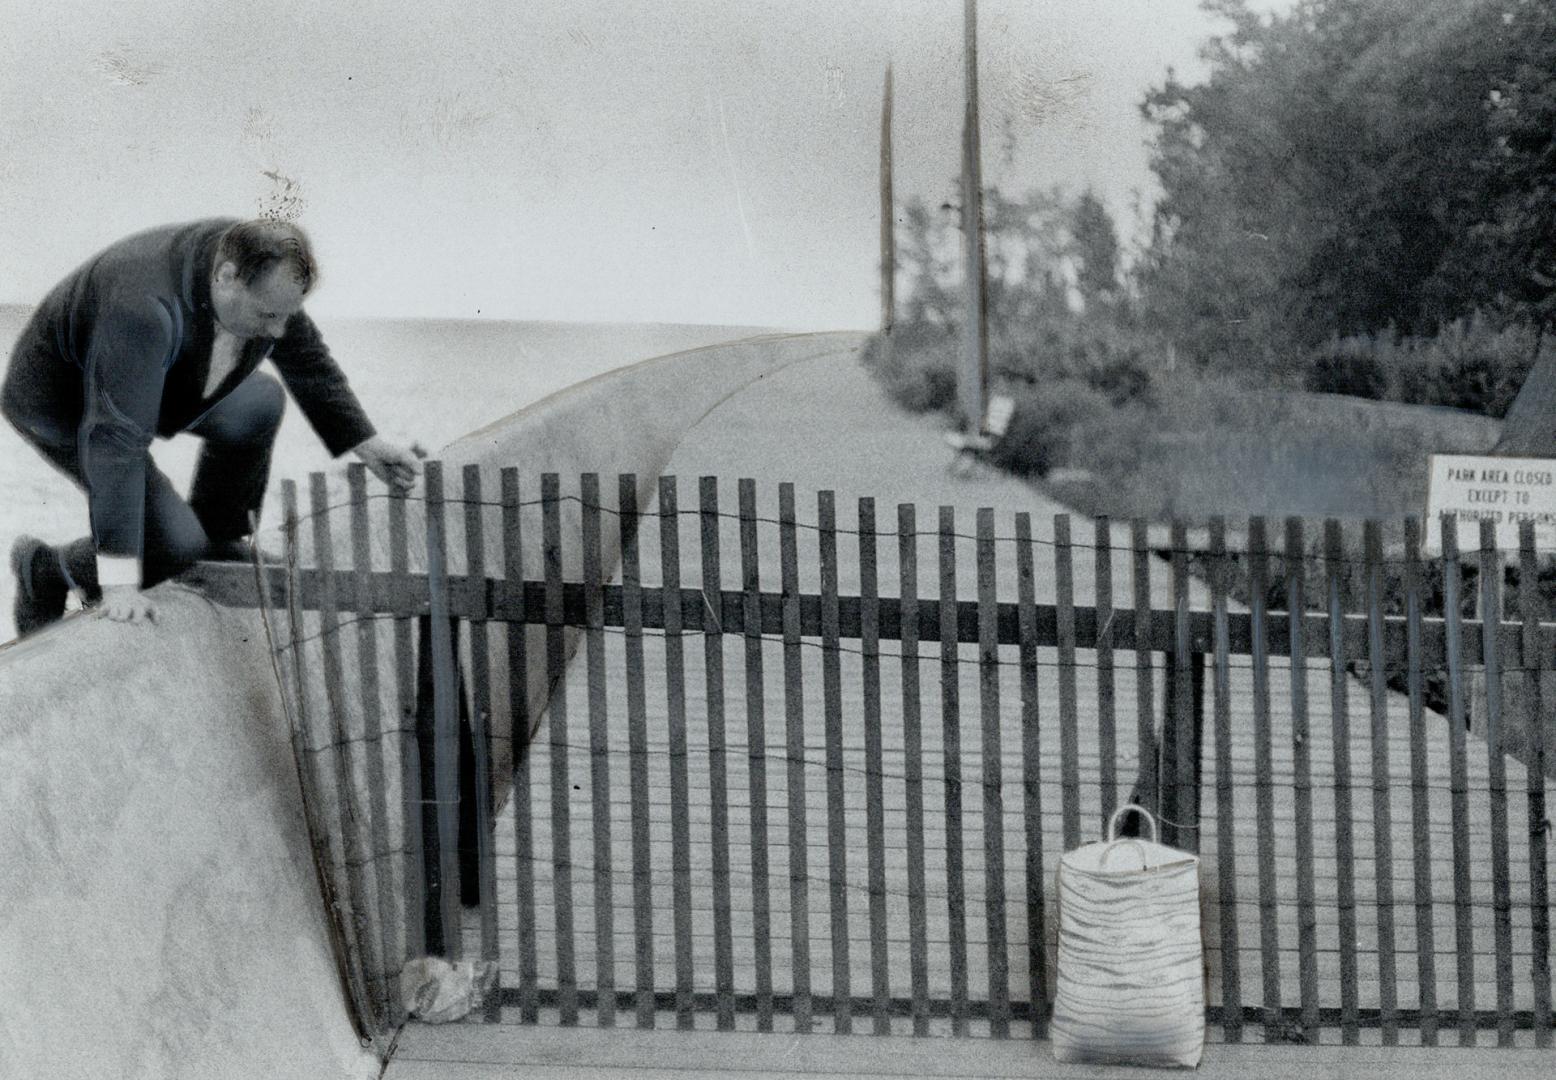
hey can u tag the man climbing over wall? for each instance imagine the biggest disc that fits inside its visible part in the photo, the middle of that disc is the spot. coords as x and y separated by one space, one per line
158 334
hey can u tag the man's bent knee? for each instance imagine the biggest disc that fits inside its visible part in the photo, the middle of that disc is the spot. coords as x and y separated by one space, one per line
250 414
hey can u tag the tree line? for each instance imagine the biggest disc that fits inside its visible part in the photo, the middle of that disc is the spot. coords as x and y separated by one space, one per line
1359 197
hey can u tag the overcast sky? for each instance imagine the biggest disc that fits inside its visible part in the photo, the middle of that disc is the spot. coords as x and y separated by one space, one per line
675 160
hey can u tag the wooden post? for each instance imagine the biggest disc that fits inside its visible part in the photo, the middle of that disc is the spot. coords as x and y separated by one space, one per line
439 649
675 706
888 226
718 753
1032 783
1107 734
993 770
1340 736
1464 926
599 752
1302 776
1069 736
1226 851
480 722
373 731
1420 791
1148 787
794 730
913 766
637 746
561 781
951 744
415 899
974 383
874 758
832 706
756 743
1382 790
520 733
1501 887
1536 664
1264 777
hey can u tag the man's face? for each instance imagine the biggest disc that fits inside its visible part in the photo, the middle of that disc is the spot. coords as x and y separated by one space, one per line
258 310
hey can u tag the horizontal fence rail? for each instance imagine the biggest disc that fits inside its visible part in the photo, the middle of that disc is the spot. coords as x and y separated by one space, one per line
655 760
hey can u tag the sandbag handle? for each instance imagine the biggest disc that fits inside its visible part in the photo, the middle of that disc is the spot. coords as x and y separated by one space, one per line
1126 808
1109 848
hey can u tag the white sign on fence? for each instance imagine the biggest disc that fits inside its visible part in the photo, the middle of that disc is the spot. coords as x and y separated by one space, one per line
1508 491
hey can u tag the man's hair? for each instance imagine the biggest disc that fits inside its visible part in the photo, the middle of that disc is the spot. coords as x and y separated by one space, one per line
255 246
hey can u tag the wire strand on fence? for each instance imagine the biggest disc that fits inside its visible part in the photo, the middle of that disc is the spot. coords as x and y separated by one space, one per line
1316 557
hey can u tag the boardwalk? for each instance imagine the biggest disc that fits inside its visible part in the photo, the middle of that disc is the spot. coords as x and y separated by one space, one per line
851 445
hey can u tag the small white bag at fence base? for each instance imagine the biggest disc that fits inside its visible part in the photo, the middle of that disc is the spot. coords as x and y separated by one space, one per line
437 992
1131 980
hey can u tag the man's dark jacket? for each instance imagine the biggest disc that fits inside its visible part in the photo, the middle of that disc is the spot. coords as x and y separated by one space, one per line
118 353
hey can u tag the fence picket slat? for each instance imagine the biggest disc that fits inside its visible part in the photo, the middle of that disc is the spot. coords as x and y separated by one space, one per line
718 753
439 659
1382 788
1464 927
874 765
376 748
521 732
1031 778
832 703
993 768
1226 852
951 746
1336 571
756 741
1069 736
794 729
343 930
675 705
1534 725
341 742
637 748
481 726
1302 776
1264 781
1420 793
414 899
1107 721
1181 728
599 751
561 783
913 766
1501 889
1148 789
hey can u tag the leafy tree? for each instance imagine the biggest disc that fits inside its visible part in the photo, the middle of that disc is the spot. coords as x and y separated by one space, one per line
1094 247
1334 173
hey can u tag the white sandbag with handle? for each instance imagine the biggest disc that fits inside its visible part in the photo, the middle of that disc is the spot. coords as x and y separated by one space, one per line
1131 979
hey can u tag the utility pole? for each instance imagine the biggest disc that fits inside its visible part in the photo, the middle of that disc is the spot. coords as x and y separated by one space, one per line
888 227
973 380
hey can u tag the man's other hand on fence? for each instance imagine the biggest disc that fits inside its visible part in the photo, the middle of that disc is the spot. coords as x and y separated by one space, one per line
392 464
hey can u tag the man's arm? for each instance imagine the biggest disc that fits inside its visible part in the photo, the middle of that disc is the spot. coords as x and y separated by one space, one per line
326 399
320 387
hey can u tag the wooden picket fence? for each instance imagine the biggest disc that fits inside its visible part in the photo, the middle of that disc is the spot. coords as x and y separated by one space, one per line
842 794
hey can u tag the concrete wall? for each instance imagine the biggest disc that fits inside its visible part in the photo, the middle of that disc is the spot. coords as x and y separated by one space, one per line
159 912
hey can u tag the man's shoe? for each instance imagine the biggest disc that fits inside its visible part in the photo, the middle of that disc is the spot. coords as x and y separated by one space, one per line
234 550
40 585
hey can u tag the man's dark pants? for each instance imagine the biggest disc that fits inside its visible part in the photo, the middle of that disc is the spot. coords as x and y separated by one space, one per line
229 482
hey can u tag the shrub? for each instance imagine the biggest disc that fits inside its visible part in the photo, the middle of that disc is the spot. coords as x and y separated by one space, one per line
1474 363
1047 424
919 373
1350 366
